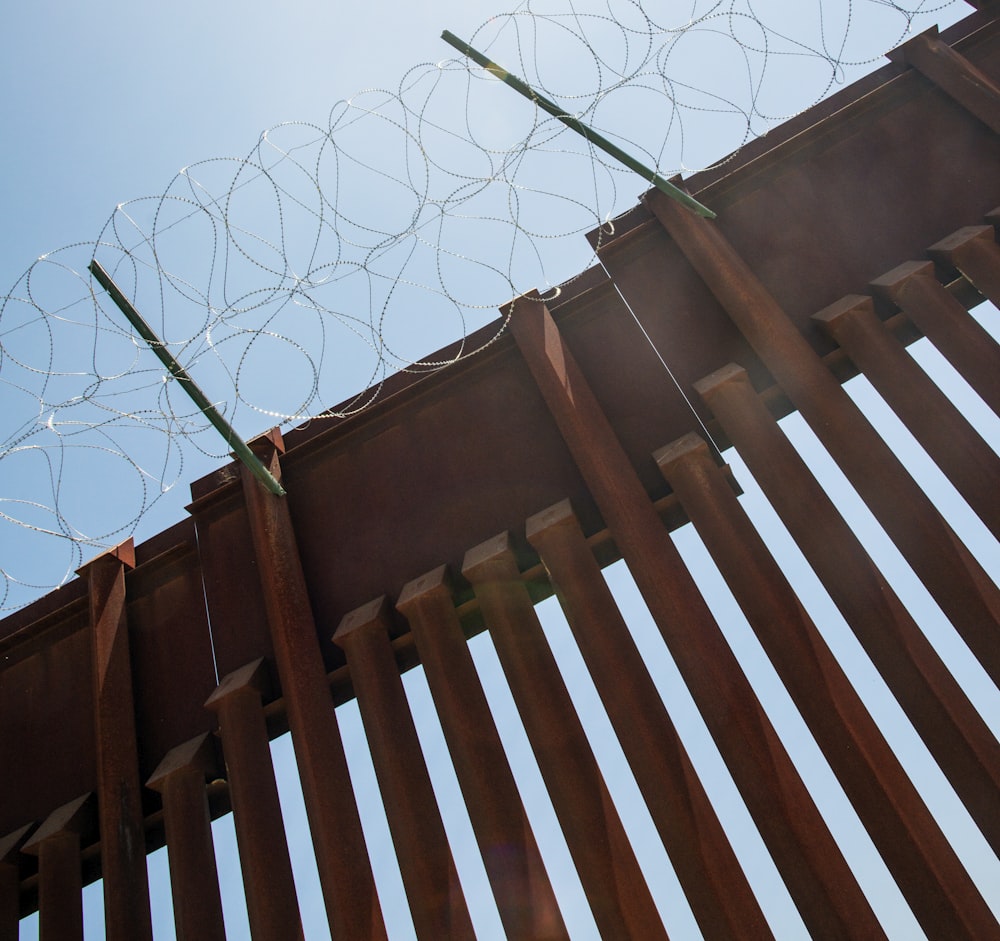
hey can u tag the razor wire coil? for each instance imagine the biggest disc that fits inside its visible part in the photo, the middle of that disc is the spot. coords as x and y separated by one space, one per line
332 255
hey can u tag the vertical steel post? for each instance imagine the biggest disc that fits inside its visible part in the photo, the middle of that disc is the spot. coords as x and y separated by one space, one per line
524 896
10 882
352 904
953 444
947 324
253 791
618 895
56 843
818 878
425 862
119 796
706 866
950 572
949 724
935 884
194 879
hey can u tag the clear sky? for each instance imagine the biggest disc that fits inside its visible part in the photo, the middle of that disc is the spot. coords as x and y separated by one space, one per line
104 102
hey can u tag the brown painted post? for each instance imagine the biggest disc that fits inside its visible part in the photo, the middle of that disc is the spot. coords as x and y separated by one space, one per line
950 572
818 878
260 832
713 881
947 324
955 75
56 843
938 889
437 903
194 880
524 896
119 795
608 870
352 905
954 445
975 253
10 882
928 693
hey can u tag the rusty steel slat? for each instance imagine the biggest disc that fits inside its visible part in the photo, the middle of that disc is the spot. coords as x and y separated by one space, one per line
260 833
609 872
814 870
714 884
973 250
10 882
947 722
352 905
10 895
966 594
953 74
521 887
923 863
56 843
430 879
914 288
194 879
119 797
954 445
60 884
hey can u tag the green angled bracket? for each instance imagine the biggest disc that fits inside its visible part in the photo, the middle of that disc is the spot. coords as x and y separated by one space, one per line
663 185
238 445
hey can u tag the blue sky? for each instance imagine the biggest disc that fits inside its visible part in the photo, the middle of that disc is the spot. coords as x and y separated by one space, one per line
105 102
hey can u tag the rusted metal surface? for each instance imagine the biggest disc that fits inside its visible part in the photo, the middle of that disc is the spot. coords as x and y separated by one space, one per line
194 879
119 798
714 884
348 886
975 253
818 209
953 444
525 900
10 881
925 867
961 340
233 590
437 904
609 872
170 642
56 843
260 833
802 847
939 709
950 572
972 88
47 748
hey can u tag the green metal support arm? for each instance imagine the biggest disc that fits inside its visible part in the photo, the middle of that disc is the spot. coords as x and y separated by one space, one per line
239 446
598 140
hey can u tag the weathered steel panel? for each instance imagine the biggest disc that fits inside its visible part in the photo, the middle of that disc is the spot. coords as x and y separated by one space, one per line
173 672
47 745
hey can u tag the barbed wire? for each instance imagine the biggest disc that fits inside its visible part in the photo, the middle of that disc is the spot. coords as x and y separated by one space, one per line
332 255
